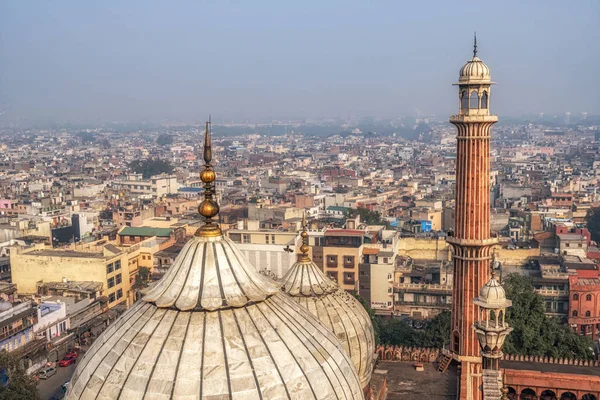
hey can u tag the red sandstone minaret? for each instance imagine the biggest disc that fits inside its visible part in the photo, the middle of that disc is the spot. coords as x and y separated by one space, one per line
472 242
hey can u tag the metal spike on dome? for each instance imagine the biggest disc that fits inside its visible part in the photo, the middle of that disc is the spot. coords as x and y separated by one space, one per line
209 207
474 44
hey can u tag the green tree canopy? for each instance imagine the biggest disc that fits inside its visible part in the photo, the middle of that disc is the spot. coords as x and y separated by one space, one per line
368 217
15 384
151 167
164 139
592 218
534 333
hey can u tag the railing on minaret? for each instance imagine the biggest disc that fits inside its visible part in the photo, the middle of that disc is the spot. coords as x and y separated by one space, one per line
471 240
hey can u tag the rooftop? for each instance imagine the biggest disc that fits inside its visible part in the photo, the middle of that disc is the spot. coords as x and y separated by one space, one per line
64 253
145 231
405 382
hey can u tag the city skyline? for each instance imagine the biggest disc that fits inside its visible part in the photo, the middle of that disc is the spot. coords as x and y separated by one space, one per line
87 63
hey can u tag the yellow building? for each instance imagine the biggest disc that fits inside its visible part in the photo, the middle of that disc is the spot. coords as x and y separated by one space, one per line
106 264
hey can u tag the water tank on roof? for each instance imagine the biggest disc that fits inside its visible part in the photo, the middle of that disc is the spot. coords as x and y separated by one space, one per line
5 305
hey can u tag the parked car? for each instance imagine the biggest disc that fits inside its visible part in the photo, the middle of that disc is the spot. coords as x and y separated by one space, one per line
70 358
47 372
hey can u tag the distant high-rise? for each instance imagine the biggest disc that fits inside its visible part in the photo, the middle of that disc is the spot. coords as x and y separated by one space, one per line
583 116
472 242
567 118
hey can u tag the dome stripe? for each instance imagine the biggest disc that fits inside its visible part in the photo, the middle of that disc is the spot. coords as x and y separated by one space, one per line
241 334
187 327
267 349
156 355
300 329
267 305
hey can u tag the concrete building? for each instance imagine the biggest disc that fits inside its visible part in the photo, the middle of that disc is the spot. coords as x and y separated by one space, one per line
268 250
16 325
102 263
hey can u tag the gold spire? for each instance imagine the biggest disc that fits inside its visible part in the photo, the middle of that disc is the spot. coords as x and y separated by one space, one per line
304 248
209 208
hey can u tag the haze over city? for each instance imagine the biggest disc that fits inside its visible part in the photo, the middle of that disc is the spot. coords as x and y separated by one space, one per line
73 61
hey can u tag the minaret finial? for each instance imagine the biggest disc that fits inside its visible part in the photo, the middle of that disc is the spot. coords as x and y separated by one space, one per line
304 248
209 207
474 44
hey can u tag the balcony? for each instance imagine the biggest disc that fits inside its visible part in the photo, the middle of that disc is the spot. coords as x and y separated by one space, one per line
553 292
423 288
423 304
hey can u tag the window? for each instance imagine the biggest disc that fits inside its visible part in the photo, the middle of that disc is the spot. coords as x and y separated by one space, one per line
588 297
245 238
332 259
111 282
588 314
386 260
575 297
118 279
267 239
567 244
484 100
119 293
574 313
110 268
111 298
117 265
474 100
464 101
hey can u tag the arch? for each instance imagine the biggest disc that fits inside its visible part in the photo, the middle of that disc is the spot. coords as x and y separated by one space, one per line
588 396
548 395
464 101
575 296
568 396
484 99
588 297
512 393
588 314
528 394
574 313
474 100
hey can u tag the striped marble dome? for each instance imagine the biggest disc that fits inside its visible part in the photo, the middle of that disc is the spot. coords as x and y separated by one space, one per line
306 284
474 71
213 328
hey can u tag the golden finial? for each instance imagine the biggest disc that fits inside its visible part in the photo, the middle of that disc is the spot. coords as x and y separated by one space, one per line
209 208
304 248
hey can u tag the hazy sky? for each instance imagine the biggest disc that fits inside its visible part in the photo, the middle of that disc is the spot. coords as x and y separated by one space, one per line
133 60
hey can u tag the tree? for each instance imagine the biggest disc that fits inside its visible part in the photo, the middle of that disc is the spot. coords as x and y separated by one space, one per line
142 278
151 167
592 218
437 331
163 139
534 333
15 384
368 217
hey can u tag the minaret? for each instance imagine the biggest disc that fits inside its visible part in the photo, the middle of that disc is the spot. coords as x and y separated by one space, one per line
471 242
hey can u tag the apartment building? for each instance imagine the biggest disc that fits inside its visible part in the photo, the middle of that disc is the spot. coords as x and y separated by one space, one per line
106 264
268 250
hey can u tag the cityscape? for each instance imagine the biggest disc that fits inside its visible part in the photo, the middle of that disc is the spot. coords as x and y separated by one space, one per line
357 253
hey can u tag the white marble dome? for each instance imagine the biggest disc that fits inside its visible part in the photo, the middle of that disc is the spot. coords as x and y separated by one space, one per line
475 71
492 295
306 284
213 328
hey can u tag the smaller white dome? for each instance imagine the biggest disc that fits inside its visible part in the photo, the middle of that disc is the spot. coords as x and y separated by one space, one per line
492 295
474 71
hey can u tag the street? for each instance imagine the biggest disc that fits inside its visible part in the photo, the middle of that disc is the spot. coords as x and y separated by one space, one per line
52 387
